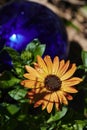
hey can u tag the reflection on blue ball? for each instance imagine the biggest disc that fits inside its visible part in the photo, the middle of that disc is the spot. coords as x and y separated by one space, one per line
21 22
16 40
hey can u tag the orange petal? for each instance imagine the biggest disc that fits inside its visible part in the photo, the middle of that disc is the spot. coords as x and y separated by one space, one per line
54 97
44 104
48 62
34 91
45 101
62 98
61 64
30 84
31 95
55 65
32 71
59 97
38 103
36 66
69 73
32 77
49 107
69 89
56 100
40 71
42 64
71 82
64 68
69 97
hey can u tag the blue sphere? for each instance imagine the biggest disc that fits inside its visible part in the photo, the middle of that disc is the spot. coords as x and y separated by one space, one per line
21 22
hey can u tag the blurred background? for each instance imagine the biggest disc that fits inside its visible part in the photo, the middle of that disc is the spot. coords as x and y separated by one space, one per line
74 15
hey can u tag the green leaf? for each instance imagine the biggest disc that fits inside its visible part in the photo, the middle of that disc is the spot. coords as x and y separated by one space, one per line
26 55
58 115
36 48
8 80
13 109
84 59
39 50
15 56
13 53
32 45
33 49
18 93
21 117
43 128
19 71
80 124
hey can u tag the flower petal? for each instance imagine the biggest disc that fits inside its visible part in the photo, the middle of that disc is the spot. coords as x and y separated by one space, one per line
56 100
69 73
61 64
42 64
55 65
32 77
38 103
31 95
64 68
49 107
69 97
71 82
62 98
46 100
30 84
32 71
50 104
40 71
59 97
48 62
69 89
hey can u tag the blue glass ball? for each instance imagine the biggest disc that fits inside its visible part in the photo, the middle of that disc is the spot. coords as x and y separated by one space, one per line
21 22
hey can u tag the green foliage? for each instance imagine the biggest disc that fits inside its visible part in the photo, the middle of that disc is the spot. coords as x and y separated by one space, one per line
35 48
18 93
58 115
12 109
84 59
8 80
15 110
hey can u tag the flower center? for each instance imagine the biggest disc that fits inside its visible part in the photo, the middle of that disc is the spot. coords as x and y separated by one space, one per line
52 83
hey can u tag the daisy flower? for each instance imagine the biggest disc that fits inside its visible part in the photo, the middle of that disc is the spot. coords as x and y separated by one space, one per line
50 82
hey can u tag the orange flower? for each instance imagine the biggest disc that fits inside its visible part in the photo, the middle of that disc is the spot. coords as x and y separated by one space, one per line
50 82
